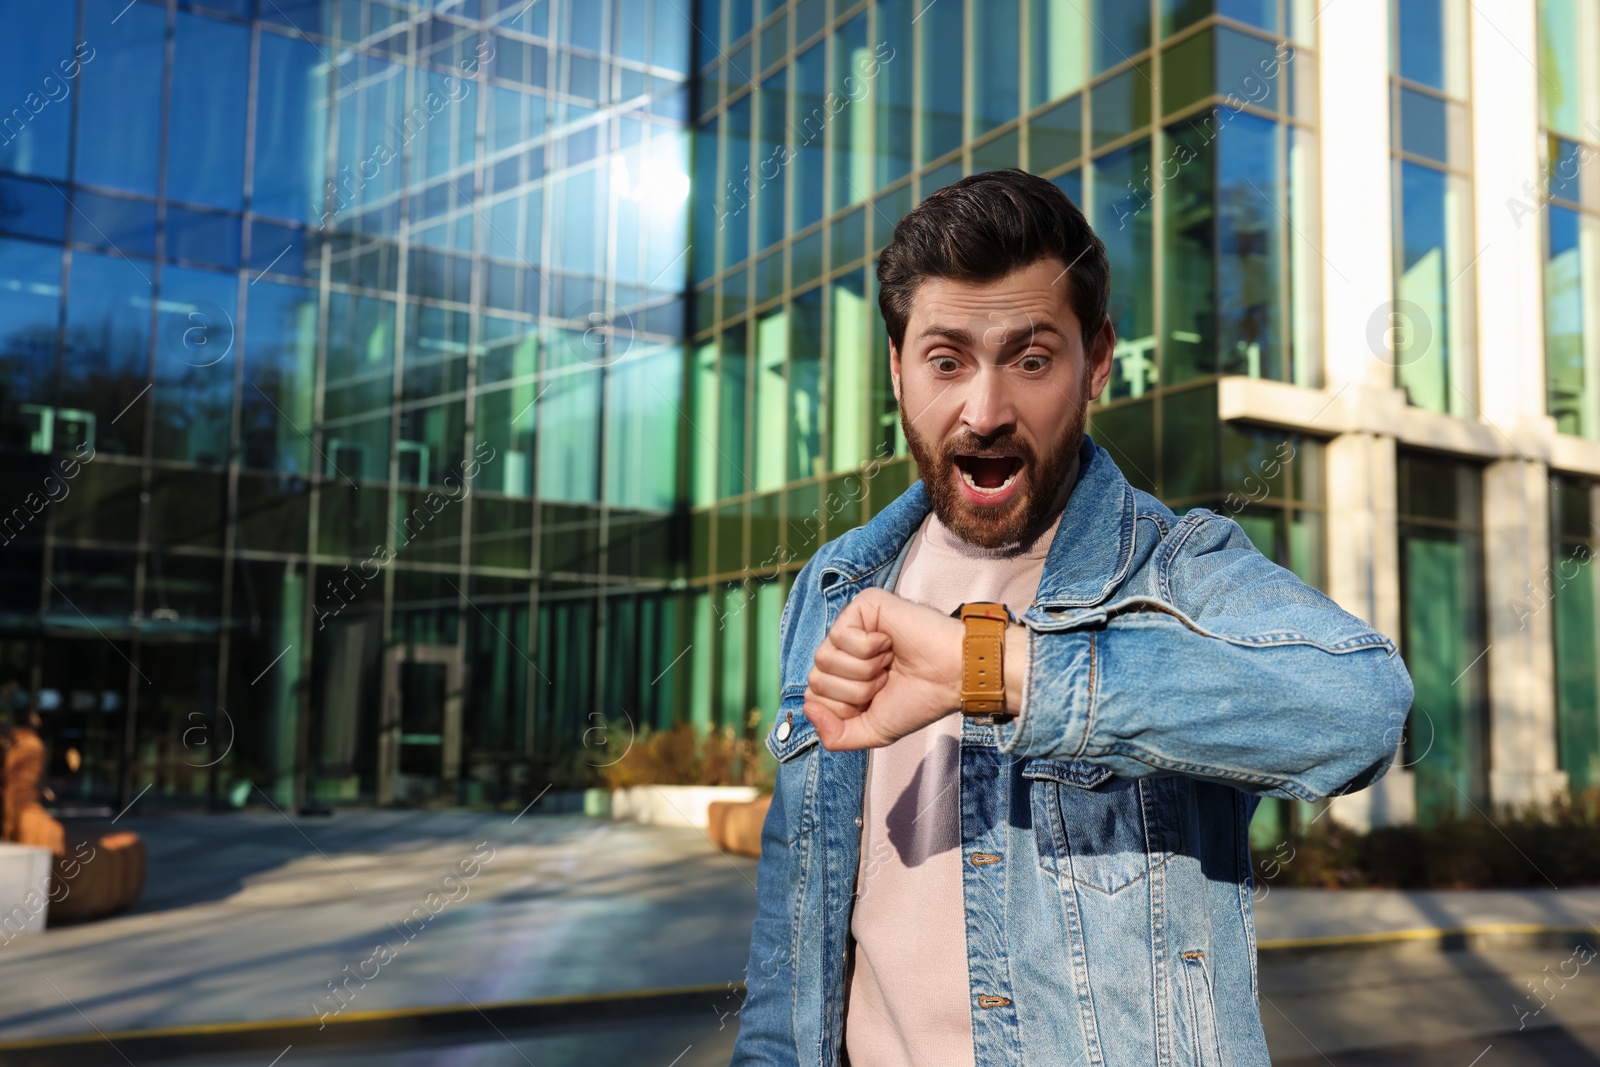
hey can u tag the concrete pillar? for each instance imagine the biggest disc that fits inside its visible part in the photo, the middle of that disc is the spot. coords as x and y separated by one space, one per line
1521 652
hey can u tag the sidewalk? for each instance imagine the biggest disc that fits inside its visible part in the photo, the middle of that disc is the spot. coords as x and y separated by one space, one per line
251 916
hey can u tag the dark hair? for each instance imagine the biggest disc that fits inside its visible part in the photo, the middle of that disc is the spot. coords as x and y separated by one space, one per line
984 227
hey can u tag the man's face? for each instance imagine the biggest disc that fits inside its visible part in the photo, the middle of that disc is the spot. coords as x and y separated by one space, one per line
994 385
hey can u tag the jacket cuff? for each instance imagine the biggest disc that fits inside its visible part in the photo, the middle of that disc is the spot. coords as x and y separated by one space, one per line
1057 696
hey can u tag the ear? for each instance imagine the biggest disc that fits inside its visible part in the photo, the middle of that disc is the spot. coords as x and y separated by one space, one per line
1098 357
894 370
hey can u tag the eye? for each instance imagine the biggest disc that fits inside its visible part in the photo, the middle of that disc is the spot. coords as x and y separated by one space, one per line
945 364
1033 363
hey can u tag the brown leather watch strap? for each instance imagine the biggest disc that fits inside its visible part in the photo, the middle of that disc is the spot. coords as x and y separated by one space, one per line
983 690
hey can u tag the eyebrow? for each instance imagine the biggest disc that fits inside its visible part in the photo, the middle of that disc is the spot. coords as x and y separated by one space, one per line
959 336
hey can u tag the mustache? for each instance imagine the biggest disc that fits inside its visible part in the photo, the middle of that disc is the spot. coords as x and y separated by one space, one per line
968 443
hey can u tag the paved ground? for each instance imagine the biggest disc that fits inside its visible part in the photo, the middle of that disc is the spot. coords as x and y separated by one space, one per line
250 916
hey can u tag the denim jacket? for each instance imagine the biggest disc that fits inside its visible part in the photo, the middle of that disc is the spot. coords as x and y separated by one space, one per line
1174 676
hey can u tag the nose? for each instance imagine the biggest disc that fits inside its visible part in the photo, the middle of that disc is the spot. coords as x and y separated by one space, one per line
989 408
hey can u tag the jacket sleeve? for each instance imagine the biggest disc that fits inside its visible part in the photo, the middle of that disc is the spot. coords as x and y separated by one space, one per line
1236 671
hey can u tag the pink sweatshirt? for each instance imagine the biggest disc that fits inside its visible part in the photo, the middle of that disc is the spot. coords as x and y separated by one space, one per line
908 1002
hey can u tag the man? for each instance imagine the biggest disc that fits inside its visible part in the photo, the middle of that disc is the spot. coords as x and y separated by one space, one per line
1027 842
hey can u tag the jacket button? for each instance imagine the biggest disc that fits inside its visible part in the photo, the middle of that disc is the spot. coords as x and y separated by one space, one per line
783 731
858 822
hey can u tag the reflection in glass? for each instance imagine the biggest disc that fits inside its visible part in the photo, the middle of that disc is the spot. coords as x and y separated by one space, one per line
205 137
1122 217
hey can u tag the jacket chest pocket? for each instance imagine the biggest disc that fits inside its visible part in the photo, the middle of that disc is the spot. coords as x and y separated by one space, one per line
1103 832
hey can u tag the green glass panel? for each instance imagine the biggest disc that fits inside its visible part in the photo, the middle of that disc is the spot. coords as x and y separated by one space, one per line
769 671
893 74
1442 610
1560 87
502 532
1576 654
1440 489
734 627
1188 71
703 431
1002 153
1306 548
771 398
765 532
1121 31
699 658
730 538
1057 38
851 126
728 434
804 526
1121 104
848 239
1189 465
188 507
997 67
849 376
1128 432
1056 136
943 82
642 426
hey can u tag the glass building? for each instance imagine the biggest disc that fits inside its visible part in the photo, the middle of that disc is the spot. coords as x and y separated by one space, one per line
406 400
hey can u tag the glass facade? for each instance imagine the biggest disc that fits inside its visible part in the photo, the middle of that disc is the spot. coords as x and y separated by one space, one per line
1442 632
1571 592
1430 127
1570 201
362 325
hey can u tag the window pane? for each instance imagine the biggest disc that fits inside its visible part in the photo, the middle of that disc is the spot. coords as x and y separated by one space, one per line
943 88
291 130
892 70
30 299
805 385
194 365
1122 219
39 71
1429 349
730 430
569 430
1056 136
851 126
737 185
1570 379
810 119
205 139
771 433
996 63
107 348
642 405
280 371
119 113
849 371
1421 41
1122 31
1560 88
1121 105
1057 39
770 170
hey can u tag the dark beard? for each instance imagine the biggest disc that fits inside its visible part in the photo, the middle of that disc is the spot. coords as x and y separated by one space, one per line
1019 522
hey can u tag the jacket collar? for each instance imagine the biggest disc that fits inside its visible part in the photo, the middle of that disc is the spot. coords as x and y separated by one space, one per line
1088 556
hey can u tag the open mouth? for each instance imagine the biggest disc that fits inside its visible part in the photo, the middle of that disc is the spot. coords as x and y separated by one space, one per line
988 475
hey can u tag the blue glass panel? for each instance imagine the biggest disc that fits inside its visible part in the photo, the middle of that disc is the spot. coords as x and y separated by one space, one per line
291 126
39 71
280 372
128 226
1122 218
736 184
195 353
1565 162
1071 183
851 126
741 16
119 113
770 159
32 209
1422 41
1121 31
107 347
1566 375
997 65
810 119
942 81
1422 125
30 295
279 249
205 139
202 237
307 16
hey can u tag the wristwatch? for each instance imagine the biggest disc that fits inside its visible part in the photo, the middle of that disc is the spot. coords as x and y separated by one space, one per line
983 687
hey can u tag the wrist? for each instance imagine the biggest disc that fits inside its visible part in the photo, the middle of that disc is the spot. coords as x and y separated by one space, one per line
1014 670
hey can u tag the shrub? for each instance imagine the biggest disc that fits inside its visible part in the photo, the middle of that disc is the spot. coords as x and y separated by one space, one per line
1528 849
683 756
